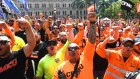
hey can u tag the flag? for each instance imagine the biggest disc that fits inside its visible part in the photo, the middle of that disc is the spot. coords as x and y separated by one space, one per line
4 7
127 5
12 6
1 14
25 4
138 7
90 8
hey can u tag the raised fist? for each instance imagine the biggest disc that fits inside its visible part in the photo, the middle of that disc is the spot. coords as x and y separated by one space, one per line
23 23
91 16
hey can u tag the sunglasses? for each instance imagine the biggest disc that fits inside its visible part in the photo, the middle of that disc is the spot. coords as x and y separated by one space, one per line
55 28
73 48
128 45
3 42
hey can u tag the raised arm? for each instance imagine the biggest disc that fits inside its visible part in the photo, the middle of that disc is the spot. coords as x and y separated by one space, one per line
90 46
24 24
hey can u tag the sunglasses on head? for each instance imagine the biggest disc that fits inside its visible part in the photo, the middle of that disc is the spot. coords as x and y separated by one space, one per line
73 48
3 42
128 45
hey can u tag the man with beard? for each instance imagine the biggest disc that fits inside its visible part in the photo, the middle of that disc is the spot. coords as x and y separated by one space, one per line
13 64
119 61
39 52
61 40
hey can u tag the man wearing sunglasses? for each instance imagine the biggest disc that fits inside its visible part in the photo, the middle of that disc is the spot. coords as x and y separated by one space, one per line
79 66
135 74
12 65
119 62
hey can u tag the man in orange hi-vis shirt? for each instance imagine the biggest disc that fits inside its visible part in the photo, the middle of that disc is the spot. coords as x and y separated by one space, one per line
79 66
121 61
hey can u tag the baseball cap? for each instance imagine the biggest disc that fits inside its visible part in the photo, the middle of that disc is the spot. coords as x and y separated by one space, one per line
51 42
137 40
73 47
127 40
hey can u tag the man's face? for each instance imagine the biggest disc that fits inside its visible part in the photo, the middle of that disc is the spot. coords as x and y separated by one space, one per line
127 48
63 38
5 44
137 48
74 52
52 48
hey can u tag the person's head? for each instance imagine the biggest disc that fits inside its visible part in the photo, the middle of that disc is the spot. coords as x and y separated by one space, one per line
55 29
63 37
74 51
40 22
26 17
51 47
5 45
127 46
62 28
37 37
137 44
41 15
10 22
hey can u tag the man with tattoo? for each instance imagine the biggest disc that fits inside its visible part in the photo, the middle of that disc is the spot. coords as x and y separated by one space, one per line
79 66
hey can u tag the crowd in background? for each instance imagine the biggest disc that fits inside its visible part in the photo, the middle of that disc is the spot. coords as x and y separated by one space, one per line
54 39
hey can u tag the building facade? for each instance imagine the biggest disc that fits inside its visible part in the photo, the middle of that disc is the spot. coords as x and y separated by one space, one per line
59 8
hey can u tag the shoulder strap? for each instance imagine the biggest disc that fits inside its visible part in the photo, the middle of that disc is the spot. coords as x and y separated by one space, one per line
75 69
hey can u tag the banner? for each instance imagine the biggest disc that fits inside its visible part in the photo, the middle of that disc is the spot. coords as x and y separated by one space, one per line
127 5
25 4
90 8
138 7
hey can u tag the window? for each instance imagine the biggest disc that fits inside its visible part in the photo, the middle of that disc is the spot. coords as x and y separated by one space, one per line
63 12
63 5
36 5
69 5
77 12
70 12
43 5
21 6
84 12
80 12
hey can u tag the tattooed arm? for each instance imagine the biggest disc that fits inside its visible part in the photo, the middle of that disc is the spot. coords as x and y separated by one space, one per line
92 33
90 45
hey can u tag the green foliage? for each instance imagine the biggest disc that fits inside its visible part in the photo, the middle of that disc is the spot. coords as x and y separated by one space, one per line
107 8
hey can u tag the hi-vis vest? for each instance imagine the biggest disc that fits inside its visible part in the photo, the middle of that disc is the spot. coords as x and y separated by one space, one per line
117 67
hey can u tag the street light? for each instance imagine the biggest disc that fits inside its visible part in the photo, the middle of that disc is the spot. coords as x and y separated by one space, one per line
54 11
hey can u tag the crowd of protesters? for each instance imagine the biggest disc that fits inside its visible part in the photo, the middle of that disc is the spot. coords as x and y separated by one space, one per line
66 48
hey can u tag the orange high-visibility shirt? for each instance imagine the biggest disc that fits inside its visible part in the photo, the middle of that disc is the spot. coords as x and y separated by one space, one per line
117 67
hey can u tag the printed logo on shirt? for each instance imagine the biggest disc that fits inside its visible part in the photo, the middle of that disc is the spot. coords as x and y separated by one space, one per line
11 64
69 74
57 60
133 65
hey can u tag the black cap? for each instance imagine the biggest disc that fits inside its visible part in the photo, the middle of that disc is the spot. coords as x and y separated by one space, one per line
50 42
137 40
127 40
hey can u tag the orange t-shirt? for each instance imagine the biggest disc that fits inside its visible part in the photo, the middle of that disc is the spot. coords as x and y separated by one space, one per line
85 65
